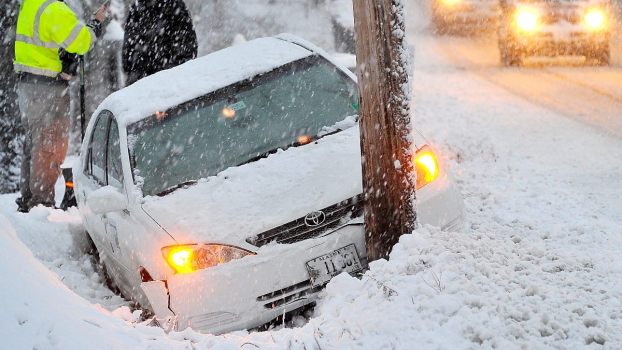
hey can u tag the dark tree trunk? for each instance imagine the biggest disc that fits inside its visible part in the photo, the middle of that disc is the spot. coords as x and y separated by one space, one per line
11 134
386 144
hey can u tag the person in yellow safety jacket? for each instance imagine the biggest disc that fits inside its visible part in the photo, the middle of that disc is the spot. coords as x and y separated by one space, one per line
48 34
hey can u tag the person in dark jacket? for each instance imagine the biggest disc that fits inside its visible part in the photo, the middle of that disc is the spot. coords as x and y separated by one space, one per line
158 35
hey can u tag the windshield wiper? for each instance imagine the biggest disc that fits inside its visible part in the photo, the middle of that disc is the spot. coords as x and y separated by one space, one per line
176 187
293 144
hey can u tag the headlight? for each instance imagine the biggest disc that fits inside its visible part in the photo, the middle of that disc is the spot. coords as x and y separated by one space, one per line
527 19
189 258
426 166
451 2
595 19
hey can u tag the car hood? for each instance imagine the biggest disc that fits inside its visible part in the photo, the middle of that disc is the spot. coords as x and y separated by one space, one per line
244 201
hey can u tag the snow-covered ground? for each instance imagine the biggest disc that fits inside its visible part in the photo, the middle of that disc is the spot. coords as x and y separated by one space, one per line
538 264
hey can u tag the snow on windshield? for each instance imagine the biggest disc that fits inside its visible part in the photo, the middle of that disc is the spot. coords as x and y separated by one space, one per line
288 106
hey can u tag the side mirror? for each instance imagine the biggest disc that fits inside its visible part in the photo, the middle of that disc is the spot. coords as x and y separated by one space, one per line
106 200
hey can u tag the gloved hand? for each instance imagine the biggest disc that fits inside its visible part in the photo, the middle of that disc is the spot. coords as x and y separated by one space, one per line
97 22
70 62
96 26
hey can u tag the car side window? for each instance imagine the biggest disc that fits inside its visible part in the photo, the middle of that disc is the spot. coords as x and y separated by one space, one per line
97 149
114 169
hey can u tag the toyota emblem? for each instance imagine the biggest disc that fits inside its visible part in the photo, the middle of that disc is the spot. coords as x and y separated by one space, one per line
315 219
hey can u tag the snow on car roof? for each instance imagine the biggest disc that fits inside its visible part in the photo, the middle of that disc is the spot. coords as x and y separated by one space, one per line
342 12
198 77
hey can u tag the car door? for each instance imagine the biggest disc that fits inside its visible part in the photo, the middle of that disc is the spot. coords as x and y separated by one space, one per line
100 171
120 225
94 178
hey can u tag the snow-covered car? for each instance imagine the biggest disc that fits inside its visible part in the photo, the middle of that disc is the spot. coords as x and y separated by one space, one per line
342 18
226 192
454 16
554 28
347 60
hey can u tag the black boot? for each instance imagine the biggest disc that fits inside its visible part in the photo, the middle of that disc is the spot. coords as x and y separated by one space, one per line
23 205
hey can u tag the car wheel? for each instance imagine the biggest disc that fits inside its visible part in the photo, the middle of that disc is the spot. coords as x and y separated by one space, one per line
601 57
101 267
439 26
510 57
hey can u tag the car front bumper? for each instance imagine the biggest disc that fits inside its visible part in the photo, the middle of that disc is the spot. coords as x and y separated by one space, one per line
252 291
467 17
249 292
553 44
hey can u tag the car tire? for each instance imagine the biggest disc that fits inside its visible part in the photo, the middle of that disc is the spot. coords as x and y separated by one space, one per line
439 27
601 56
101 268
510 57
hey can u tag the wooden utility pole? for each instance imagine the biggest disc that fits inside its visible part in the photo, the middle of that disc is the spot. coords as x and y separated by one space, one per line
386 139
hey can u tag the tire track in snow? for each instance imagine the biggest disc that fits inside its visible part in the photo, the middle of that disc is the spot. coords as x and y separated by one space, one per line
574 98
597 89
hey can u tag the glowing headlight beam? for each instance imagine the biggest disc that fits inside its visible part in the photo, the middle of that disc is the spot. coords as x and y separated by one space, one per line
595 19
181 259
527 20
451 2
189 258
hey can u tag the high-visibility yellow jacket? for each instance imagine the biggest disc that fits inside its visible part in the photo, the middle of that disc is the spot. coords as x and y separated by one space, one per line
44 26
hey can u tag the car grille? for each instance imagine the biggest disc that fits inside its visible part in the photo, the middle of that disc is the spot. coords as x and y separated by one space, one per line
298 230
287 295
554 17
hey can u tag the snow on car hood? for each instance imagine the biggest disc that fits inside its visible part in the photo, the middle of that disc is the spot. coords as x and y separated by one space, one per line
244 201
198 77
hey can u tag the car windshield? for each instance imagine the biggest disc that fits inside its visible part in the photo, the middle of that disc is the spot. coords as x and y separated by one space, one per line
289 106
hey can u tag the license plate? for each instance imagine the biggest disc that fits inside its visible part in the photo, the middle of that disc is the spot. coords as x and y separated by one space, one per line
325 267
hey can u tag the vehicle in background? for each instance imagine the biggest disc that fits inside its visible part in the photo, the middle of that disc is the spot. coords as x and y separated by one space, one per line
342 18
555 28
226 192
617 6
463 16
346 60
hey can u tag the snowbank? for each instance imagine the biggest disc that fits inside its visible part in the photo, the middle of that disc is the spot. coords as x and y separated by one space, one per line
40 312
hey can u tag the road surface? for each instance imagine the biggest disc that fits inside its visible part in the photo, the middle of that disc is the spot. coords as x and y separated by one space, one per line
567 85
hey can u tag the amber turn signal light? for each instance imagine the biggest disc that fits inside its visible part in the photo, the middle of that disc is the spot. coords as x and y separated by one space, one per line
426 166
180 259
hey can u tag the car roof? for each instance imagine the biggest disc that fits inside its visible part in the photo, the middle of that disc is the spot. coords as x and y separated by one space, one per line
169 88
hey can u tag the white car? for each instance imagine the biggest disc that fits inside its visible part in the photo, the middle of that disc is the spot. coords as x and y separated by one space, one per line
226 192
342 19
556 28
458 16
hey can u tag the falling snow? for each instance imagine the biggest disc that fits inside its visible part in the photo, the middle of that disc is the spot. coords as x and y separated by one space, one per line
536 265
